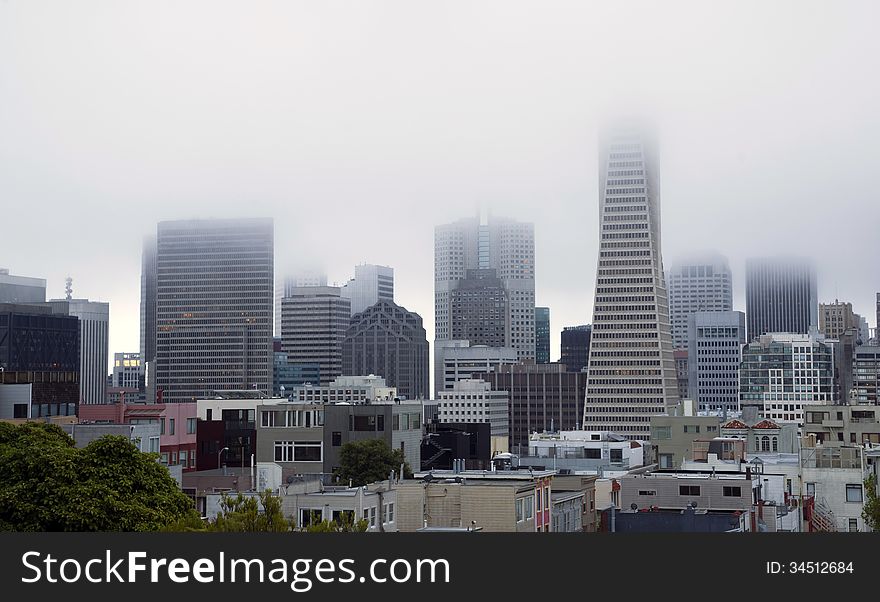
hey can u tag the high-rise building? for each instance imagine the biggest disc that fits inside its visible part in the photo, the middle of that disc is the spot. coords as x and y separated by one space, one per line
475 401
458 360
479 309
631 370
781 373
286 283
148 300
543 398
94 343
314 320
387 340
21 289
128 371
542 335
214 307
866 375
371 284
877 323
836 318
714 342
39 353
681 372
698 283
780 296
575 347
503 245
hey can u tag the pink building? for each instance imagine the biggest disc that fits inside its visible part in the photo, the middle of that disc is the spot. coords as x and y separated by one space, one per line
177 426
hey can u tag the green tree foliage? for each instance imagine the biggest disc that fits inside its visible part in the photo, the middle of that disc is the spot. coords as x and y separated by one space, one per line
369 461
871 511
345 524
48 484
251 514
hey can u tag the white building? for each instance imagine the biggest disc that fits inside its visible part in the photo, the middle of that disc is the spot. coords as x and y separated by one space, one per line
472 400
94 332
456 360
584 450
349 389
371 284
128 370
21 289
715 339
834 478
700 283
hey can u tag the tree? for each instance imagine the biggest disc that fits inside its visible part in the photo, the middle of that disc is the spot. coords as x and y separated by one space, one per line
251 514
871 510
368 461
48 484
345 524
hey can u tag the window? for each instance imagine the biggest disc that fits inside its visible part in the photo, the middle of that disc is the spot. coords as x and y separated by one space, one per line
529 509
337 438
689 490
190 426
853 525
164 457
853 493
183 455
389 513
732 491
539 497
307 451
665 460
661 432
162 425
171 426
380 422
19 410
519 510
692 428
307 516
811 489
154 445
284 451
208 414
341 516
364 423
647 492
765 443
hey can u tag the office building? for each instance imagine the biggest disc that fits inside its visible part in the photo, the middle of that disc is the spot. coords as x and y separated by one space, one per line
479 309
214 307
783 374
21 289
371 284
286 283
474 401
714 342
314 320
94 341
149 280
286 376
780 296
865 375
346 389
387 340
681 372
456 360
41 351
128 371
499 244
699 283
543 398
575 347
631 369
542 335
836 318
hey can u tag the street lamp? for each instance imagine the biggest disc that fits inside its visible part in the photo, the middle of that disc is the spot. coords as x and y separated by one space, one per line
218 457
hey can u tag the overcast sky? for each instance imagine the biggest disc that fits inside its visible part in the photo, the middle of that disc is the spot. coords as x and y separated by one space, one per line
360 125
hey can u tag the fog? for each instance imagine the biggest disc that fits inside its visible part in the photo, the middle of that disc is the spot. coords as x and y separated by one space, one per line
361 125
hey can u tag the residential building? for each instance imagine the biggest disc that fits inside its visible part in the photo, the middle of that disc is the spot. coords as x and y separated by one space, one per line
781 374
226 429
346 389
567 512
584 451
673 437
41 349
475 401
213 307
832 483
762 435
866 375
144 436
700 283
94 336
836 318
309 502
387 340
128 370
780 296
466 250
575 347
314 320
457 360
631 369
21 289
731 492
542 335
837 425
491 501
370 285
715 340
582 484
543 398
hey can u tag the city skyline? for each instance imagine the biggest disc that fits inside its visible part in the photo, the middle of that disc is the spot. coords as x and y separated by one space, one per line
732 140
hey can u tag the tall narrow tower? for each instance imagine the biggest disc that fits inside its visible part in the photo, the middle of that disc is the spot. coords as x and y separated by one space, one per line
631 371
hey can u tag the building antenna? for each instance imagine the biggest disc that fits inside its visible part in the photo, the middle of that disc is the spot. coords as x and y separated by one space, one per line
68 287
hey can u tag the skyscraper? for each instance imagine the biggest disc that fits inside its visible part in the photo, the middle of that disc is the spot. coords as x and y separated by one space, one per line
699 283
715 341
499 244
314 320
287 282
214 307
836 318
148 300
387 340
542 335
94 344
478 310
780 296
371 284
21 289
631 370
575 347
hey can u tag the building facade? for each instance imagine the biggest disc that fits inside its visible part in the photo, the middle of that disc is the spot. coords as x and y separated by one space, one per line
697 284
128 371
314 320
94 344
542 335
474 401
387 340
371 284
715 339
866 374
780 296
479 309
575 347
836 318
21 289
456 360
631 370
149 280
213 307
